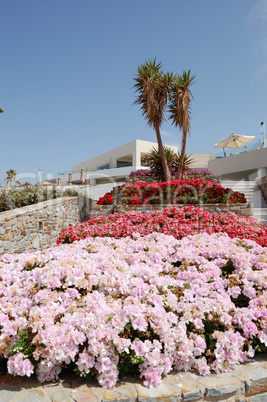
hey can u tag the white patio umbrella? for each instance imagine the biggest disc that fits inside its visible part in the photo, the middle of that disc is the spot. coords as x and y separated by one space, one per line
234 141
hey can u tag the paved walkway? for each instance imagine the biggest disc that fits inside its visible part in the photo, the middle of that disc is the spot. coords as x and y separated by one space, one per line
246 383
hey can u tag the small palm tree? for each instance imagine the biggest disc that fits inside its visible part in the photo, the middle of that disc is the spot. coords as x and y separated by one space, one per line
154 161
11 177
179 108
152 88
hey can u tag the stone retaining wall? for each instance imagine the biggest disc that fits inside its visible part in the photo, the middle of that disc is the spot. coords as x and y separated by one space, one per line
240 209
36 227
246 383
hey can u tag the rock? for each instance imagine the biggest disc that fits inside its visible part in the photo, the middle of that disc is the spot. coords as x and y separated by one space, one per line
35 242
256 381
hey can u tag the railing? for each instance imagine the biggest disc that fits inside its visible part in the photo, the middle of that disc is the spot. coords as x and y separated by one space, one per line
94 169
103 167
65 172
124 164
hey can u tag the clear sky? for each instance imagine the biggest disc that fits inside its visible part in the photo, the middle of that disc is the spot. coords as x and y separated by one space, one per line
67 69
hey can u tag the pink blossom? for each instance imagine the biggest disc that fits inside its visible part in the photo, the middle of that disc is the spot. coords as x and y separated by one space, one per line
141 347
139 323
250 329
108 379
85 362
152 376
151 298
18 364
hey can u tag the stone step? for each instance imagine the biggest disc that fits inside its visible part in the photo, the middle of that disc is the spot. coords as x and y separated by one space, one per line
250 189
253 196
260 214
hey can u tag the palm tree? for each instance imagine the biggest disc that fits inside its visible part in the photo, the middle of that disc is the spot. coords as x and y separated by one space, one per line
11 177
179 108
1 110
154 161
152 87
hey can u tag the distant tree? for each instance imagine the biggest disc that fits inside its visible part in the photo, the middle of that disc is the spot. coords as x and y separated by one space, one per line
179 109
152 88
11 177
1 110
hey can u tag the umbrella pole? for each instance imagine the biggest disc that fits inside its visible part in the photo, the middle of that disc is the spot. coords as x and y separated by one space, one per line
224 152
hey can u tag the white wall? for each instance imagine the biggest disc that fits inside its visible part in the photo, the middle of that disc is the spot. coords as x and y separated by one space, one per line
134 148
251 162
110 175
200 161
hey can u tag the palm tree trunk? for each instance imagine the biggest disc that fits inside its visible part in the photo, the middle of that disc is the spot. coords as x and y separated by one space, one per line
166 171
182 154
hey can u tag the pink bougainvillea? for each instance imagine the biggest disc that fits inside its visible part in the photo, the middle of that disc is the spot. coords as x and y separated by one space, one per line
178 222
142 305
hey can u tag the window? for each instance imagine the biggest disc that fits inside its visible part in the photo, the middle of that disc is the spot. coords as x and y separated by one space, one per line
102 167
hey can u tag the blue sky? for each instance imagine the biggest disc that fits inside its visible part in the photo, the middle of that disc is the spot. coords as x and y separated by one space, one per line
67 69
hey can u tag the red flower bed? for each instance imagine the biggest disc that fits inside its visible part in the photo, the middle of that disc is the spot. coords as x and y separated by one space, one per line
178 222
195 191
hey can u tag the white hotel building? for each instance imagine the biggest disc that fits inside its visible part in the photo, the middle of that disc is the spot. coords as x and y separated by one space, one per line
115 166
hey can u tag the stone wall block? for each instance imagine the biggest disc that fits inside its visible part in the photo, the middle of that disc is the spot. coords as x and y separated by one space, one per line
7 245
20 230
19 223
256 381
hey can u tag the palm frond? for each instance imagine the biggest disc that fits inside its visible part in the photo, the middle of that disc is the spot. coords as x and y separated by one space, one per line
180 109
180 98
152 90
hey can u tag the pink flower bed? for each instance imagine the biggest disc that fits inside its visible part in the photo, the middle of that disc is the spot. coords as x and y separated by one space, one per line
142 304
178 222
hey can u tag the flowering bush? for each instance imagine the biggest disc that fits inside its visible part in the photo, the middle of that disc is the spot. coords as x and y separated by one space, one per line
178 222
200 172
190 174
174 192
197 303
141 173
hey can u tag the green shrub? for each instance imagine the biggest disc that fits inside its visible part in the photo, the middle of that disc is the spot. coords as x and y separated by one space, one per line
17 197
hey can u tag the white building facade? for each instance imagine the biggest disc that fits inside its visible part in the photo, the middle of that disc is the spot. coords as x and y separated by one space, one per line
248 166
115 165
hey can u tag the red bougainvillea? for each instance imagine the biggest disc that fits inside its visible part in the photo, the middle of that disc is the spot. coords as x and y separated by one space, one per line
195 191
178 222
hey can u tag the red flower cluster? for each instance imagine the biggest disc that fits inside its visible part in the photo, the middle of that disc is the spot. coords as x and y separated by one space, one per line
178 222
195 191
